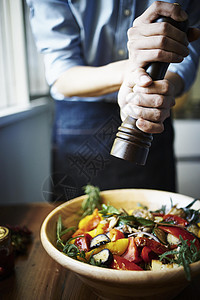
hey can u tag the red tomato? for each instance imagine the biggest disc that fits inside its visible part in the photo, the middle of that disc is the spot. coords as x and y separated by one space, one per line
115 234
132 253
120 263
145 254
176 219
178 231
83 243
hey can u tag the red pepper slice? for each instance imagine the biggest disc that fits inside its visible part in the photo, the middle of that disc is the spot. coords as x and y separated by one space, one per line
132 253
120 263
145 254
176 219
178 231
156 247
83 243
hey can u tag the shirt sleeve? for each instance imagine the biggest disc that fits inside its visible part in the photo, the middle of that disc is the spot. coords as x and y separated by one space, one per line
57 36
187 69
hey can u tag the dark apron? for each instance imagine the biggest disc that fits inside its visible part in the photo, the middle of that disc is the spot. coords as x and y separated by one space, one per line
83 135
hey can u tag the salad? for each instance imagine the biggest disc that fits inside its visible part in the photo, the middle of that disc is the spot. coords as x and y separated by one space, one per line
139 239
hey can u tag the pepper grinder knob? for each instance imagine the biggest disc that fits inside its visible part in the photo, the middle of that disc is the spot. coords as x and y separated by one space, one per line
131 143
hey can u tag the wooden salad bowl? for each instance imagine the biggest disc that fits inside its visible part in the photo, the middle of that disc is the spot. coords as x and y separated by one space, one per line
120 284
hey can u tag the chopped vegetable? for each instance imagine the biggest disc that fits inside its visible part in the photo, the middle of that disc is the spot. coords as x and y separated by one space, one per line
115 234
132 252
103 258
135 240
90 222
120 263
186 235
83 242
176 220
100 239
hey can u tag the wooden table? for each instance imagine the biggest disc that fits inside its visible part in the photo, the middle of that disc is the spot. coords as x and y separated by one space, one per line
37 276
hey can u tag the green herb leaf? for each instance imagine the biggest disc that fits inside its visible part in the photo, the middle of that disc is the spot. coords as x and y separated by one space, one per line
131 220
72 250
145 222
108 210
92 201
190 204
60 231
183 256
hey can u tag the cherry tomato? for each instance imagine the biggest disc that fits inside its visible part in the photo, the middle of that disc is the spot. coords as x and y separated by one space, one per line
83 243
120 263
132 252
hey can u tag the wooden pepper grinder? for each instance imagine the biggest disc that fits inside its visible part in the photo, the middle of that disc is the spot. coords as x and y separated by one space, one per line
131 143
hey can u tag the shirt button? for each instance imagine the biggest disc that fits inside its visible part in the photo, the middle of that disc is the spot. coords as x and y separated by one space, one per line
121 52
127 12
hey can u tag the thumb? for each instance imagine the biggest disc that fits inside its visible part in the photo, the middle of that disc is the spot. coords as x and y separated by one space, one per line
139 77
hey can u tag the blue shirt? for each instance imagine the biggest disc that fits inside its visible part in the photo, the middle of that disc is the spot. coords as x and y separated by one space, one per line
94 33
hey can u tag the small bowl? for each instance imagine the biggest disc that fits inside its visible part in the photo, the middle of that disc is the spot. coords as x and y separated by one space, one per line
118 284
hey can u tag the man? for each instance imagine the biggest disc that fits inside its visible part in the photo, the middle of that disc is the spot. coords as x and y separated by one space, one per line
87 61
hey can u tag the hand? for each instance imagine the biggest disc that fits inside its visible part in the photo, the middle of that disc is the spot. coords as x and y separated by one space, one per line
148 101
149 42
149 105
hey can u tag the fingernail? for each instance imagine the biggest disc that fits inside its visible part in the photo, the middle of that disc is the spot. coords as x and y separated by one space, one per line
145 79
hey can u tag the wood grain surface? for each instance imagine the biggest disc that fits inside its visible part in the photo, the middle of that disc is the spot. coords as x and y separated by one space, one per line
37 276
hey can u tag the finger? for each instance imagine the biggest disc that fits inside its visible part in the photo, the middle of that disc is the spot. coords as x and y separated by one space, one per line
149 127
158 42
141 57
150 114
158 9
139 77
153 29
193 34
160 87
150 100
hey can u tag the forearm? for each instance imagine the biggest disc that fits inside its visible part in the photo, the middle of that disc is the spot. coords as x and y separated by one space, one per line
84 81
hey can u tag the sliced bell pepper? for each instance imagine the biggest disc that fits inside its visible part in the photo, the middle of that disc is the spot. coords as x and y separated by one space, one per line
156 247
132 252
90 222
176 219
120 263
100 229
179 231
115 234
83 243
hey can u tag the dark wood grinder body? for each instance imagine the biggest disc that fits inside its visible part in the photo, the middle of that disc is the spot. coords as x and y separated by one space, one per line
131 143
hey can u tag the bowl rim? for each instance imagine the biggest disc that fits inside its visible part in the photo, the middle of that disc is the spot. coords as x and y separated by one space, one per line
91 271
